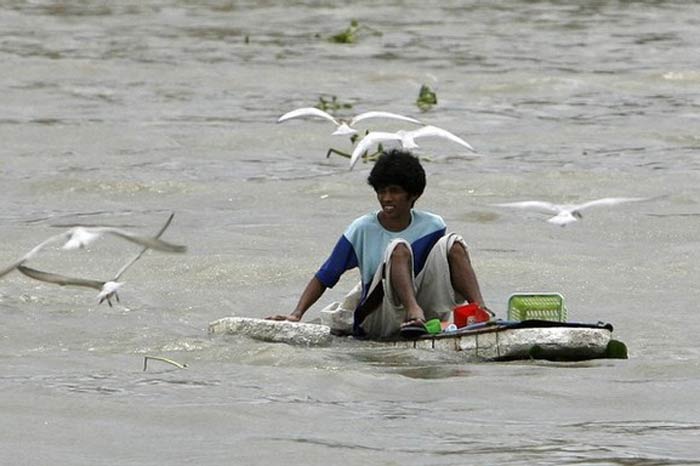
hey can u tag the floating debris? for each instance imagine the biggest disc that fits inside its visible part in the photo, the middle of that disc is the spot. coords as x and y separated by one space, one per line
366 156
426 98
331 105
162 359
349 35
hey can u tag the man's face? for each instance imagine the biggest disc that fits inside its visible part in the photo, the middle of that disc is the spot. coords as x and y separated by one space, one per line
395 201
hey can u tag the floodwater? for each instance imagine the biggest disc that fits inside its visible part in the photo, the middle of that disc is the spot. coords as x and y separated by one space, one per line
117 113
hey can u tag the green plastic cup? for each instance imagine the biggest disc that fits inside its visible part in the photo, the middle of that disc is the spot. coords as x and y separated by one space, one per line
433 326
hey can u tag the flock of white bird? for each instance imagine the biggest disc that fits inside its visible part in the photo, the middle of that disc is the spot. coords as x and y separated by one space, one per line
407 139
564 213
81 237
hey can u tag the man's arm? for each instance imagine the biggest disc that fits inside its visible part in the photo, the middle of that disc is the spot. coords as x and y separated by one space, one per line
313 291
341 259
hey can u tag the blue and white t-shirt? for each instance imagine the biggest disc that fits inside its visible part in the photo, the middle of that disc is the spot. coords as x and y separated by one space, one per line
365 240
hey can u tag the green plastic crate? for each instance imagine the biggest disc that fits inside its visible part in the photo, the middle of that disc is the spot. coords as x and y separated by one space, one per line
540 306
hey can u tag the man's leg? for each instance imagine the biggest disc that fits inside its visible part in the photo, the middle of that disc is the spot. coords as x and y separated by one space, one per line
462 274
401 279
392 285
441 285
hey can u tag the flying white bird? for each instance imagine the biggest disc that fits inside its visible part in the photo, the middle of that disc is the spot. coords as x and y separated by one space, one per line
107 289
80 237
407 139
569 213
343 128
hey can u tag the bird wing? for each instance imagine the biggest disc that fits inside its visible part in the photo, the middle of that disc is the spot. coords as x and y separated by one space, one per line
373 137
434 131
306 112
607 201
145 241
12 266
367 115
59 279
538 205
32 253
138 256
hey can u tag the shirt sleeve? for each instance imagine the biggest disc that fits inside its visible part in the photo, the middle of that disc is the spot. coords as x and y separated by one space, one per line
341 259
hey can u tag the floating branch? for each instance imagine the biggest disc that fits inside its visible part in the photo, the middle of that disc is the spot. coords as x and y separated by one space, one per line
160 358
370 157
366 157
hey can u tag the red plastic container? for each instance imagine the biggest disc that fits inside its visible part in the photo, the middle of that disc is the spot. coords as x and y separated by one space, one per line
468 314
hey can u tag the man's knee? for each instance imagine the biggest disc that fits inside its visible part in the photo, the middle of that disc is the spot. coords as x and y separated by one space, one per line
458 251
401 253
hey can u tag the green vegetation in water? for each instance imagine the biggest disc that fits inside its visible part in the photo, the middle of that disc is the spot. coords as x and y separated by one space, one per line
616 350
368 156
350 34
331 104
426 98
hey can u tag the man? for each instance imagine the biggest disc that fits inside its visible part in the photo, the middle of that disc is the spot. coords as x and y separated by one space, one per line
411 269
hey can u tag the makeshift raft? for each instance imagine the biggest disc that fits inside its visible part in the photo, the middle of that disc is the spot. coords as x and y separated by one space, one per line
496 340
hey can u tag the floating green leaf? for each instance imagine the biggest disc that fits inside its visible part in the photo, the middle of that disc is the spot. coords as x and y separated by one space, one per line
426 98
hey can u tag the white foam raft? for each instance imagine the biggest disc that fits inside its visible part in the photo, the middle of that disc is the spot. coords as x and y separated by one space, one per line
492 341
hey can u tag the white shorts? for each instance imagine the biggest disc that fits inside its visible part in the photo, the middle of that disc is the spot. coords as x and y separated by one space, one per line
433 288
